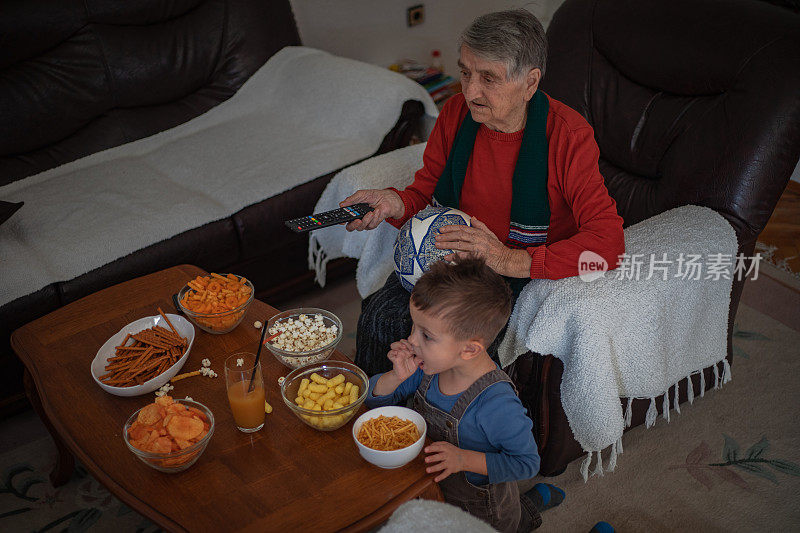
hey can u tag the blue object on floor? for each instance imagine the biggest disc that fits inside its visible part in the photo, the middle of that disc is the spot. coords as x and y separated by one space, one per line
602 527
545 496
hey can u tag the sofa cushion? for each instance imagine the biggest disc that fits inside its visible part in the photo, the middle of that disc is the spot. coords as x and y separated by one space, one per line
304 114
81 76
8 208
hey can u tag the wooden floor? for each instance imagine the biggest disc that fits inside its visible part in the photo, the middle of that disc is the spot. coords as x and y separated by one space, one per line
783 228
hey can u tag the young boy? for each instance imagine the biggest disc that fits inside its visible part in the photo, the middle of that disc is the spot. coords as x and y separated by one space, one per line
483 440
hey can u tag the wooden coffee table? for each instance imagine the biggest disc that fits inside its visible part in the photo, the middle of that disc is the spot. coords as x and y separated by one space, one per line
286 477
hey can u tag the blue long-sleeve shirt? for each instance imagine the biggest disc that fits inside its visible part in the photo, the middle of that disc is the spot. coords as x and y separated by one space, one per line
494 424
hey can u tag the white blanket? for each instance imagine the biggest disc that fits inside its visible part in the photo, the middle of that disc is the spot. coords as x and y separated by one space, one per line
304 114
630 337
373 248
626 336
428 516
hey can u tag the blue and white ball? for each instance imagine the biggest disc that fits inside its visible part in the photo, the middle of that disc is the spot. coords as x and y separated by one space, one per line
415 250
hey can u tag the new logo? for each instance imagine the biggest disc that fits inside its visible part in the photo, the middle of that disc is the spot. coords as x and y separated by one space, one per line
591 266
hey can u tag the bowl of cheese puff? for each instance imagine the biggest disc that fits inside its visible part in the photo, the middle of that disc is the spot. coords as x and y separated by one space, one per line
327 395
169 435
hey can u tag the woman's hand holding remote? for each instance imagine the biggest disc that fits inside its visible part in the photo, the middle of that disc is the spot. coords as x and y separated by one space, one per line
385 204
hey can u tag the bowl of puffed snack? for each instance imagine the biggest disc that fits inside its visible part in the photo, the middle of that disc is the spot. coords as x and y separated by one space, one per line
303 336
327 395
216 303
169 435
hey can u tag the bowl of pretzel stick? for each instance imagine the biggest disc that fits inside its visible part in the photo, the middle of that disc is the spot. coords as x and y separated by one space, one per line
143 355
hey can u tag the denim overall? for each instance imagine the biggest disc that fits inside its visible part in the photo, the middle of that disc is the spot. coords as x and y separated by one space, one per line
499 504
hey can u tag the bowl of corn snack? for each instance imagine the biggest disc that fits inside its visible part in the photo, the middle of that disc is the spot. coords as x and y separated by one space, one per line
325 396
216 303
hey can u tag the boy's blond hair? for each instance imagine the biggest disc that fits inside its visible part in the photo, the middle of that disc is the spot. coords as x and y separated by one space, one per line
470 297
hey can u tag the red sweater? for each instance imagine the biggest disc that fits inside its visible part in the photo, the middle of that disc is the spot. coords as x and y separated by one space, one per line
582 214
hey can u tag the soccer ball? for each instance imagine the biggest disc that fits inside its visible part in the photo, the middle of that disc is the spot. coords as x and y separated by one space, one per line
414 249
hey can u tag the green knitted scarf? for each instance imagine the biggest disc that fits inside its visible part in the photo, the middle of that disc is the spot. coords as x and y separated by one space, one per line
530 209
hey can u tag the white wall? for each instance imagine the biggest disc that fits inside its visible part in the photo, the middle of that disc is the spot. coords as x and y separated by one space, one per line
375 31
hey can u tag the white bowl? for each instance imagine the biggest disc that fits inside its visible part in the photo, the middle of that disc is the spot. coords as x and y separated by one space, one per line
391 458
106 351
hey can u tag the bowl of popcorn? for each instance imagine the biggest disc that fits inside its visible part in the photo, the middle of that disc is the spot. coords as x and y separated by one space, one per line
303 336
327 395
216 303
169 435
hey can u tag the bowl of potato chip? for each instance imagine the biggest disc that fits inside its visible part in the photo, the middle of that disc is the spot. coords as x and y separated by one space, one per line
216 303
325 396
169 435
304 336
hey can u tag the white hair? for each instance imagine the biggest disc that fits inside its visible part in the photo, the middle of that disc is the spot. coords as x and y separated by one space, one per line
515 38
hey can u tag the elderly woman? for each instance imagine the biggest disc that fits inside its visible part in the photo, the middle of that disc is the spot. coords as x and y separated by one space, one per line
520 163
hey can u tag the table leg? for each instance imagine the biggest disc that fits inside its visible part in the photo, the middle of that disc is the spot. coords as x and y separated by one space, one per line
432 492
65 462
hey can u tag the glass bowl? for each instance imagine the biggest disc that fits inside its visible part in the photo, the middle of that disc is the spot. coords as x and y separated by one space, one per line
324 420
217 323
174 461
296 359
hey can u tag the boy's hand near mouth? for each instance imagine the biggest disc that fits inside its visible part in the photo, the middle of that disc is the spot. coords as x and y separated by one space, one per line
405 364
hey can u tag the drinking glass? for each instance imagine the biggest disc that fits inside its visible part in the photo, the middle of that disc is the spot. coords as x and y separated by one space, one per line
246 399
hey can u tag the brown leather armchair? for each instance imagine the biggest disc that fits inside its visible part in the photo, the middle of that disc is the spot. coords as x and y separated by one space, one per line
692 102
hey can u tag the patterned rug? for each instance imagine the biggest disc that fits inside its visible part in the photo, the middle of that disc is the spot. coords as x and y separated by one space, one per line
768 254
28 502
728 462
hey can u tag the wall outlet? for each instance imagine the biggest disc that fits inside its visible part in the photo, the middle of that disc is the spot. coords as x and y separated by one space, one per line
415 15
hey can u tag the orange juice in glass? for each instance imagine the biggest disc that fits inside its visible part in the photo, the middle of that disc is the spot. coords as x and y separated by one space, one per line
247 401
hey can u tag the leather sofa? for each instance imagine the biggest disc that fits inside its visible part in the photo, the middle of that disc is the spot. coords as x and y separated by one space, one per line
692 102
78 77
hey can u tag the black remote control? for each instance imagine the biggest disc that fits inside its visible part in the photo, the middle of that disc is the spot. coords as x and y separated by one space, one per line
328 218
